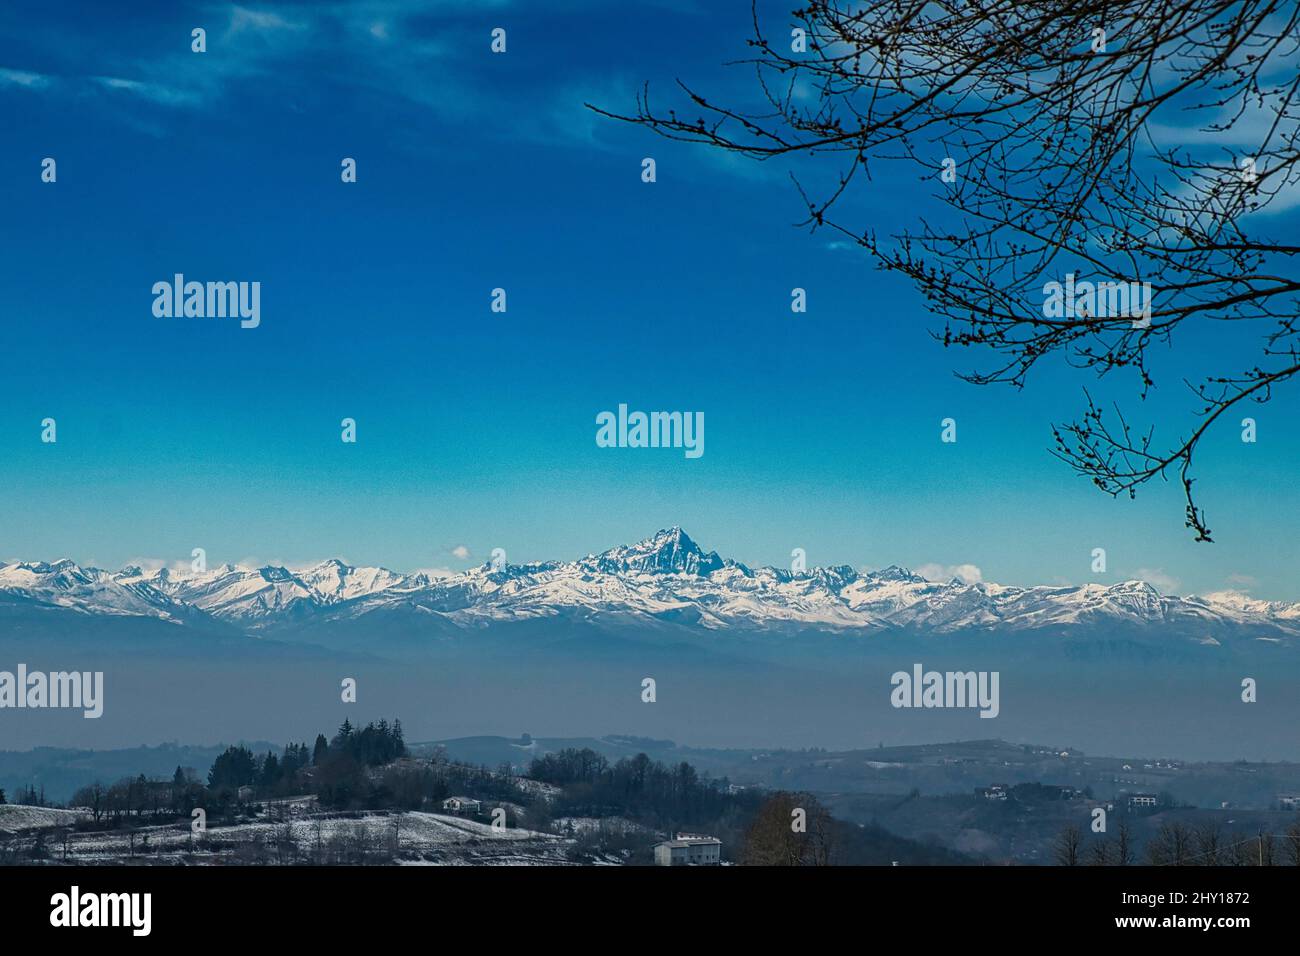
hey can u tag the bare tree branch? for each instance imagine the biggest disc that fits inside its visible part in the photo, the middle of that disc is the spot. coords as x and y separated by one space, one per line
1086 146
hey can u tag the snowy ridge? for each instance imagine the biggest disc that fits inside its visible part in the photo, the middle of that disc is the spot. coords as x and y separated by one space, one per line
667 577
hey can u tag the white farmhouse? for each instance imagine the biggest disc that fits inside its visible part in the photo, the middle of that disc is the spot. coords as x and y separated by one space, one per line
689 849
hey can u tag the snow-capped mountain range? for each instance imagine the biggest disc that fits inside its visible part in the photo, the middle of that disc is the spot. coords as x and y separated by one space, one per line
667 578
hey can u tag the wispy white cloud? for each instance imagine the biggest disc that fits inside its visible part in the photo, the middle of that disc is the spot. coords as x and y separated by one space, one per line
293 44
165 95
1158 579
431 56
262 21
966 573
23 78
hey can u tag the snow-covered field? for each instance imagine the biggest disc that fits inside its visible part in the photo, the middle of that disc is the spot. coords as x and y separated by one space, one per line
16 818
404 838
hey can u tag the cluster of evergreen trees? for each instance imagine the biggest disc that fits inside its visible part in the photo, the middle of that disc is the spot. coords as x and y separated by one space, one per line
350 750
374 745
240 767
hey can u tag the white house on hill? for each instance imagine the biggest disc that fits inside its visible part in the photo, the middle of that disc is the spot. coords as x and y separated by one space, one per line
689 849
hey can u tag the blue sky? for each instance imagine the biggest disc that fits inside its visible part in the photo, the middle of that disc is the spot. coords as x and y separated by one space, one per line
476 430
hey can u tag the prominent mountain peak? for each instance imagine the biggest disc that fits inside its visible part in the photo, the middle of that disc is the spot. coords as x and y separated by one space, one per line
1140 587
331 564
668 551
671 539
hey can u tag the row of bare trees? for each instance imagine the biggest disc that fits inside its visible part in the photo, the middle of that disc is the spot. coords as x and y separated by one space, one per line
1180 844
132 799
